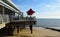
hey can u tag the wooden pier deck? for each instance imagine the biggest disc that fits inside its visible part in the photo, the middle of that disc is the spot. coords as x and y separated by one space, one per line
37 32
21 24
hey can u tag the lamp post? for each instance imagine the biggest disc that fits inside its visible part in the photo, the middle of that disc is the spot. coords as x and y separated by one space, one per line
30 13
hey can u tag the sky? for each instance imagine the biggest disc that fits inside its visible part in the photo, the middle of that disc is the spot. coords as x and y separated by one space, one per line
42 8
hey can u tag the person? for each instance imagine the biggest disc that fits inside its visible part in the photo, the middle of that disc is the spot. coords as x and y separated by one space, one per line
31 28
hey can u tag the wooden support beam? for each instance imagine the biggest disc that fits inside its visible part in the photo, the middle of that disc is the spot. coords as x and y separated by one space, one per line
17 29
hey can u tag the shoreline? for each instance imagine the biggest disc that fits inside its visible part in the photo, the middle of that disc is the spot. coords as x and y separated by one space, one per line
51 28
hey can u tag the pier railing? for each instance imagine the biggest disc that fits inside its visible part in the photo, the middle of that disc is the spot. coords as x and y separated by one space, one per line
28 18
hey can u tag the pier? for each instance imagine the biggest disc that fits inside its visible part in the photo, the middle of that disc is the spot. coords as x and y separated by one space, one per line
7 14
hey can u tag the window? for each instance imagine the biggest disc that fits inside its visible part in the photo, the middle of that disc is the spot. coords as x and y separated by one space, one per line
5 18
0 19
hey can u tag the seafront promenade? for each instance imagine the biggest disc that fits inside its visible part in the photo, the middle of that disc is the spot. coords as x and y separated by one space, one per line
37 32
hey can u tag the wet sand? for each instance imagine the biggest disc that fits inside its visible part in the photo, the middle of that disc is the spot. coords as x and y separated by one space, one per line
37 32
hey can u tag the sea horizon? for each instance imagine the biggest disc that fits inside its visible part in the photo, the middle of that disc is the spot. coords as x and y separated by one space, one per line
48 22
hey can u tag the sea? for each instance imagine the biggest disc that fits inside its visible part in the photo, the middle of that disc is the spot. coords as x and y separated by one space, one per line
48 22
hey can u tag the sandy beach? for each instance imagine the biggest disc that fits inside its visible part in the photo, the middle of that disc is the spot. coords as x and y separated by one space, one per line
37 32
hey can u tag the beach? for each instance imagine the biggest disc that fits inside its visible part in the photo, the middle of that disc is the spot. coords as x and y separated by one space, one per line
37 32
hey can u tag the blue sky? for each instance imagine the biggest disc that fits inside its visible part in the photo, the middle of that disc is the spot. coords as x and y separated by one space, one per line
43 8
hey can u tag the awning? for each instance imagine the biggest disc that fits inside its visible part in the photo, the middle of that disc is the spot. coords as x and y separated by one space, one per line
7 6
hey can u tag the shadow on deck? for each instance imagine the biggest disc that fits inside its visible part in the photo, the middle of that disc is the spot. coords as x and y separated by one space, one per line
6 31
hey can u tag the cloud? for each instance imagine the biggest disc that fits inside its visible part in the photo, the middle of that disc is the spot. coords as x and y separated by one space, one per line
52 6
57 0
48 15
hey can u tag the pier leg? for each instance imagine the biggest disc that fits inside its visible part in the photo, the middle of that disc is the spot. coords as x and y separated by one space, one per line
31 29
17 29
